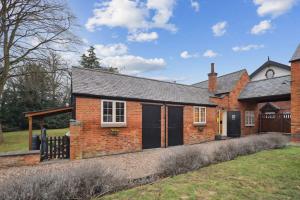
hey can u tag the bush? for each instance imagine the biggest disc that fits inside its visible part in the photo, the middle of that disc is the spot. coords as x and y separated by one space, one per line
189 158
87 179
81 182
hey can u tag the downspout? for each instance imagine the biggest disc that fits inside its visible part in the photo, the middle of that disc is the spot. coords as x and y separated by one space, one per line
165 125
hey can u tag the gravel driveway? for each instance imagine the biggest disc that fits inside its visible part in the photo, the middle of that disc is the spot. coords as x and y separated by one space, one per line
131 165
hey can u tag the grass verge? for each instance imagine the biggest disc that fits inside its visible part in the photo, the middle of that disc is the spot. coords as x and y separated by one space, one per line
273 174
18 140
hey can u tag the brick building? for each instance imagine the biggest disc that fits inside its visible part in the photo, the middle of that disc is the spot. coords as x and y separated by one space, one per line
115 113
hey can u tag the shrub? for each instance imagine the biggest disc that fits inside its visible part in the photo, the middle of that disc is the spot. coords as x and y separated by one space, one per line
191 158
87 179
77 183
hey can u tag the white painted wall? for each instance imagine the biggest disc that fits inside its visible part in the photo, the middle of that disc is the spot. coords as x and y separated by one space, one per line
278 72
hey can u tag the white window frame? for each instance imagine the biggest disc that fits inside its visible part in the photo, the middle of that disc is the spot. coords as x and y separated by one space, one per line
249 118
114 123
200 120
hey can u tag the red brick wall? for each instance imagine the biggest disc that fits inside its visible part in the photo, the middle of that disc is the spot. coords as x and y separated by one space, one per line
212 82
231 103
192 135
234 103
18 160
295 97
247 130
95 140
89 139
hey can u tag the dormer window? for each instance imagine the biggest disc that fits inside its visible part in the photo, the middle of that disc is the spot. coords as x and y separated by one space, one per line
270 73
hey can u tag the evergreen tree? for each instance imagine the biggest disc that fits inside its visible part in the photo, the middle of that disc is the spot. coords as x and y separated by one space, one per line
90 61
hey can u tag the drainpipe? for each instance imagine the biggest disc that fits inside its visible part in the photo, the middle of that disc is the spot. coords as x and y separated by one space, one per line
165 125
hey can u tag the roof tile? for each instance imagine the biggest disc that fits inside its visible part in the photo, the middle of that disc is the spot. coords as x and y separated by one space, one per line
99 83
266 88
225 83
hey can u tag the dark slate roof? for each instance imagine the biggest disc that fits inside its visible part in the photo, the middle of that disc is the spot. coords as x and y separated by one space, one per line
296 55
267 88
106 84
225 83
268 64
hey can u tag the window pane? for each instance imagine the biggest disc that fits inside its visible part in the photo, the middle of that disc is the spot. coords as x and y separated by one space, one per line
107 111
120 110
203 115
196 114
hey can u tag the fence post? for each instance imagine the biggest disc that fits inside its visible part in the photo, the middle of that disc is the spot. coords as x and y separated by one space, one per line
55 148
51 148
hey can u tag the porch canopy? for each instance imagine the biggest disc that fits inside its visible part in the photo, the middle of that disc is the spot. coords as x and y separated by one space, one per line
267 90
41 114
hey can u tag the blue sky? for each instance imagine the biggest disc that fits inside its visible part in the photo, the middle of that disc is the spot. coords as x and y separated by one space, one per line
178 39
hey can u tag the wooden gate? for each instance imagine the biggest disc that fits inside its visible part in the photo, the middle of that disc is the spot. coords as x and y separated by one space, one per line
55 148
275 123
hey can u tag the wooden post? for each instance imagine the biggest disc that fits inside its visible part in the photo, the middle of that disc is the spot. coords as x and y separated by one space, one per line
30 133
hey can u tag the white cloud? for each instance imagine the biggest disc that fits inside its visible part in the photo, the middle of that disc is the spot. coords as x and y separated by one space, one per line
110 50
187 55
163 12
261 28
219 29
118 13
117 55
133 15
130 64
142 37
248 47
210 54
195 5
273 7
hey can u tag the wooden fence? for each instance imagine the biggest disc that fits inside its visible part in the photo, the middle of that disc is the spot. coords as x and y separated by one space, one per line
275 123
55 148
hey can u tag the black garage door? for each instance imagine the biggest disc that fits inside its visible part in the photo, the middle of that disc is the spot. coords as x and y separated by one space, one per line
175 125
151 130
234 124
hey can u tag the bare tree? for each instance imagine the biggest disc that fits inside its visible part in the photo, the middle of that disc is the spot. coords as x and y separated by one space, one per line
29 28
59 77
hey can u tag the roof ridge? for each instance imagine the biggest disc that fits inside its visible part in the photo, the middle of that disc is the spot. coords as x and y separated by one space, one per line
269 78
278 63
224 75
136 77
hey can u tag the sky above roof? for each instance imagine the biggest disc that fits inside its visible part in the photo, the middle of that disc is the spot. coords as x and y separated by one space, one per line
176 40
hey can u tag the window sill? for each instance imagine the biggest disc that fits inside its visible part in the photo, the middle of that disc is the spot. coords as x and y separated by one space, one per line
200 124
249 125
113 125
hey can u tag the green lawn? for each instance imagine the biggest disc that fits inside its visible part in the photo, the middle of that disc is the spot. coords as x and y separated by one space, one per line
266 175
18 140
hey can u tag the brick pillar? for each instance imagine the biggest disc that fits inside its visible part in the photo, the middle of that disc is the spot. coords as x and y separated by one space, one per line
212 79
295 96
75 139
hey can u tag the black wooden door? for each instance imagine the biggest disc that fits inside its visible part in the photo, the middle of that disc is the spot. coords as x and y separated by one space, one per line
175 125
233 124
151 126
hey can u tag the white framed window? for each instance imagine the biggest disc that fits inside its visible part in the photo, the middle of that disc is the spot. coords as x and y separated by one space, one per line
199 115
113 113
249 118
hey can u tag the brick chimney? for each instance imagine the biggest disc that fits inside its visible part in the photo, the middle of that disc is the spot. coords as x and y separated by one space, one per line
212 79
295 95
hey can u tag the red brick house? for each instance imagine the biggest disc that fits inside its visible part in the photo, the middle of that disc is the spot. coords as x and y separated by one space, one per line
116 113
